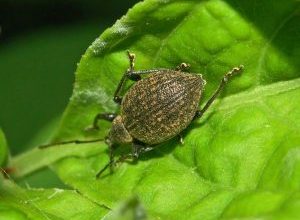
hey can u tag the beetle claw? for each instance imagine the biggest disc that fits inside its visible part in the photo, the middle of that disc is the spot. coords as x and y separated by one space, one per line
183 66
181 141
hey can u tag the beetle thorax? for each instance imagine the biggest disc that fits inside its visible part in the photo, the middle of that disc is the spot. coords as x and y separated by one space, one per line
118 132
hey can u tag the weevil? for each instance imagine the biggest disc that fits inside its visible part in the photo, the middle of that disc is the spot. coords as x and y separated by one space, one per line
156 108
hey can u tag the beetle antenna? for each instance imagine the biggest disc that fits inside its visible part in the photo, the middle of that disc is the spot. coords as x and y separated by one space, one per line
6 171
56 144
104 168
121 159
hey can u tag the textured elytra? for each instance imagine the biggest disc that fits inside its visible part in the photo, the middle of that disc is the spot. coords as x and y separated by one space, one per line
159 107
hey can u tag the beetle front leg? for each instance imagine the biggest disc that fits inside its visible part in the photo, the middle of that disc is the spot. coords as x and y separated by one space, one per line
138 149
181 141
132 75
117 97
101 116
182 67
221 86
135 76
111 162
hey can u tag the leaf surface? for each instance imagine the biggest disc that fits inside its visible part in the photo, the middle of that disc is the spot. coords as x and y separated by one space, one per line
241 160
55 204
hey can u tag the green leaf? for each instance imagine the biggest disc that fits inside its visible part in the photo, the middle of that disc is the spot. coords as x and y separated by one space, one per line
3 149
245 153
127 210
17 203
50 155
58 49
241 160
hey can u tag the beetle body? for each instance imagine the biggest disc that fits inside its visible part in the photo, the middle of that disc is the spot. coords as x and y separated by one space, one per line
160 106
154 109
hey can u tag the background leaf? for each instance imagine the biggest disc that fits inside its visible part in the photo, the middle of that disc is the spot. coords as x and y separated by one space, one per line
17 203
3 149
36 78
242 159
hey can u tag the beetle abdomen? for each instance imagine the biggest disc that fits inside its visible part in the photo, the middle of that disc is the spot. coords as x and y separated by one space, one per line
159 107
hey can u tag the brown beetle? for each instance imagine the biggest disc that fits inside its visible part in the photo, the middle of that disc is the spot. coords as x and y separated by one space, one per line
155 109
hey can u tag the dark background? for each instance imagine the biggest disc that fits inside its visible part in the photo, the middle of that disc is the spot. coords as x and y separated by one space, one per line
40 44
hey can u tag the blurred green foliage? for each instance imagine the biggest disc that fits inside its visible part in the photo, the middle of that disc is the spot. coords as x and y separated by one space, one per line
40 44
37 71
3 149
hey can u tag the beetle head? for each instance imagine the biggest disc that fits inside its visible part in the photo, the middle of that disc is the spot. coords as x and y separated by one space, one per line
118 133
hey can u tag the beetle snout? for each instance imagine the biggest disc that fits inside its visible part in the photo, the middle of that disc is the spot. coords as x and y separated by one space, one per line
118 133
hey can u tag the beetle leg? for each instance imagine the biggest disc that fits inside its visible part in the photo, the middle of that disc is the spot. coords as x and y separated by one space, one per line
181 139
182 67
117 97
137 150
136 75
222 84
111 156
140 148
101 116
132 75
111 162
